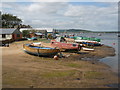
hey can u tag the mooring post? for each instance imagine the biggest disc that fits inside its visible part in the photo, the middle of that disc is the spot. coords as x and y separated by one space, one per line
38 52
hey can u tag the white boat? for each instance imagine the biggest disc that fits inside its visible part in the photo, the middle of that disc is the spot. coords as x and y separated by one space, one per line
99 34
86 41
87 49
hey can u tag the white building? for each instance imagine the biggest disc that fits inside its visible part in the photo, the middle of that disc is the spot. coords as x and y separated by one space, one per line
49 30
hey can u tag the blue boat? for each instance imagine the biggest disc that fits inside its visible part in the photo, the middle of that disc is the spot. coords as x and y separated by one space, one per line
40 51
91 44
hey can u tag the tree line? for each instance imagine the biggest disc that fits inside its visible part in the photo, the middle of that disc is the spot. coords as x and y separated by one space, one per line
11 21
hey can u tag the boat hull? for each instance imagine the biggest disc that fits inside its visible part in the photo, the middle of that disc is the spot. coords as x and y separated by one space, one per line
65 46
87 49
89 43
40 51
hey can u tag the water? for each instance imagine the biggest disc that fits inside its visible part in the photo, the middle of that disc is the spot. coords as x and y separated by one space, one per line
113 60
109 39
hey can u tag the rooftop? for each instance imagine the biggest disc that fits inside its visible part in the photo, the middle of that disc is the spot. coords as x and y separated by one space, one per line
7 30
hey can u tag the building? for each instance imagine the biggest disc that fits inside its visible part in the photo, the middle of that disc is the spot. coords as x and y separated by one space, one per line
38 35
11 34
49 30
41 31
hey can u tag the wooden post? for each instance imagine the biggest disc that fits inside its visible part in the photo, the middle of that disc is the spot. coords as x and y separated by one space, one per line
38 52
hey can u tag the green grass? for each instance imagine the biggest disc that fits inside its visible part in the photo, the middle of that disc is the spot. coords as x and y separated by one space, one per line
74 65
44 40
93 74
58 74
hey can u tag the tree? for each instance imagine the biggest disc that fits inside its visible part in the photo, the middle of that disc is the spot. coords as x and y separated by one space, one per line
9 21
25 33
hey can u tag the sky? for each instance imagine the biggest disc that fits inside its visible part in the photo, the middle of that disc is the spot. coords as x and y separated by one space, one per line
95 16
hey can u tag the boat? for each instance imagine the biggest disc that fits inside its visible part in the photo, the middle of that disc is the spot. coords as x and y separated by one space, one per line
40 51
87 49
86 41
89 43
99 34
70 40
62 44
118 35
33 38
86 38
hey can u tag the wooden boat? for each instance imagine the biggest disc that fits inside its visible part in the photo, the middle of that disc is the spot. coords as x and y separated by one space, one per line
87 38
62 44
70 40
88 42
87 49
40 51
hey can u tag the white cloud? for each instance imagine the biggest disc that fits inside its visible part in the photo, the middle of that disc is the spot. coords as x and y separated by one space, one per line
60 0
93 17
65 15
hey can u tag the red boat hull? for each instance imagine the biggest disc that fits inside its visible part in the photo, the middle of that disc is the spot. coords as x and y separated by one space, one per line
62 45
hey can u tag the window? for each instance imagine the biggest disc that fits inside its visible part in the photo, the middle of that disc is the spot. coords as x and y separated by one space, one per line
3 35
18 35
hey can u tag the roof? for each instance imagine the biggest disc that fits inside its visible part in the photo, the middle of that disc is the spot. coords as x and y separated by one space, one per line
22 29
38 29
47 29
7 30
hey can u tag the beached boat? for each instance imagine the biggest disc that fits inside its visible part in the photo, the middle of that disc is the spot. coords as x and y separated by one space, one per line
33 38
87 38
70 40
40 51
87 49
88 42
62 44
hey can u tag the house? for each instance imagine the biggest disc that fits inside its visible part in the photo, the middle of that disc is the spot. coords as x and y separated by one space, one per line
49 30
38 34
33 32
11 34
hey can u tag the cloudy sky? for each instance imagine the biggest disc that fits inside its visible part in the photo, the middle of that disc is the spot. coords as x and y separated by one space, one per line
95 16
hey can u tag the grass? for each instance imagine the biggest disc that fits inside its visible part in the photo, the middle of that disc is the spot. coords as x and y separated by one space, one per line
93 74
15 78
44 40
58 74
73 65
28 41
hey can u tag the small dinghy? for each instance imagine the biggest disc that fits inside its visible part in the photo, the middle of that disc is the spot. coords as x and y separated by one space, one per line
40 51
87 49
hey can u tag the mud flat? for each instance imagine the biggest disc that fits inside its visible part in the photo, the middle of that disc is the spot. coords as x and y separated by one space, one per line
76 70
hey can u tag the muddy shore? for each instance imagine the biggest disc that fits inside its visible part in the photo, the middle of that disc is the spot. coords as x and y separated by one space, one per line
76 70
